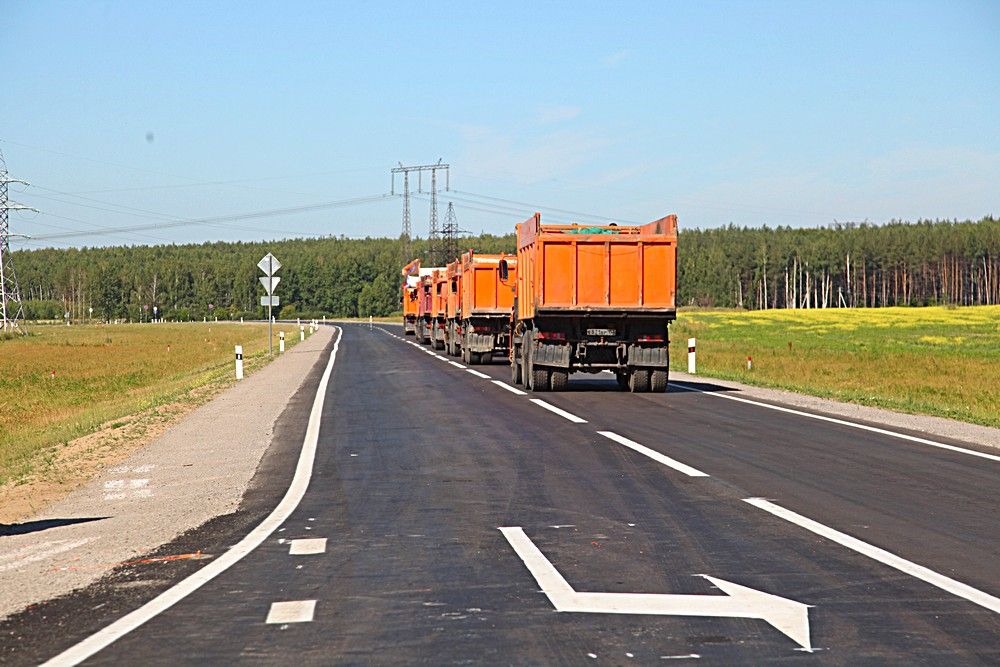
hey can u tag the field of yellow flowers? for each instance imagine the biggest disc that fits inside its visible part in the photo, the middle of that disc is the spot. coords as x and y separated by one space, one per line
936 360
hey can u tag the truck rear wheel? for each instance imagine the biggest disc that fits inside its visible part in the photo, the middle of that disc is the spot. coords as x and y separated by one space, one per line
475 358
638 380
658 380
486 358
621 377
559 381
539 379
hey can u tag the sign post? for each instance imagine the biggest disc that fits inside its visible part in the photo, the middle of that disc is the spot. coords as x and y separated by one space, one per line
269 264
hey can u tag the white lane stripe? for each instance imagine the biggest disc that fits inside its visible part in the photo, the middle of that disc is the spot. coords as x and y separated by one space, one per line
842 422
559 411
513 390
881 555
477 373
307 547
295 611
456 364
168 598
653 454
442 358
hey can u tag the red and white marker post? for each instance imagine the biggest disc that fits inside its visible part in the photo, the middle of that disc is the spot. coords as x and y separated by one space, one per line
692 369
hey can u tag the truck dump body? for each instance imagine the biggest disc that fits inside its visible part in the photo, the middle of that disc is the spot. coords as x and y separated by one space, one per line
593 298
453 309
567 268
425 305
487 300
439 307
410 296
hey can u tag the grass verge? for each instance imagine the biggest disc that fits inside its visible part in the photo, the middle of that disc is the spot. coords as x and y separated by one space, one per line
938 361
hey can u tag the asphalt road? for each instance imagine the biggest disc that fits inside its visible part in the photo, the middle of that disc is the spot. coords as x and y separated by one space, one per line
892 544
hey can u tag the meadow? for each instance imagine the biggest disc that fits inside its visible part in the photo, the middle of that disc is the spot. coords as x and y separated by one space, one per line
937 360
60 383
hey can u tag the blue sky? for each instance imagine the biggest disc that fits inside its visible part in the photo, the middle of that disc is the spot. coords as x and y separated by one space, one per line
780 113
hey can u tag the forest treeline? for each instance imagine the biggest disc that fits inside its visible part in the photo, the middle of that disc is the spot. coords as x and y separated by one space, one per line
923 263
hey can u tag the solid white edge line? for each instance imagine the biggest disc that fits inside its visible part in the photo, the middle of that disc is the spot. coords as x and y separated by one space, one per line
559 411
457 365
477 373
881 555
168 598
843 422
653 454
513 390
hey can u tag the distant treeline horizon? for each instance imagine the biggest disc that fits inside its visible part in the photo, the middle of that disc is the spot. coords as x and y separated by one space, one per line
843 265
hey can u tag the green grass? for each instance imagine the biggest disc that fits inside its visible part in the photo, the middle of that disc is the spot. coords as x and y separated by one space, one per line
60 383
937 361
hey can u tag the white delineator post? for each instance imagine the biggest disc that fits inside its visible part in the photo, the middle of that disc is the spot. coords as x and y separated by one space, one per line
692 369
239 362
369 322
302 332
281 341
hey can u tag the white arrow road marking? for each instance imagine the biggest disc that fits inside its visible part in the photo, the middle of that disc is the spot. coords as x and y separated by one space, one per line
789 617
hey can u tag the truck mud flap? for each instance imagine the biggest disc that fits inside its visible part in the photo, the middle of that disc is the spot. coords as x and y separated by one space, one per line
551 355
480 342
654 357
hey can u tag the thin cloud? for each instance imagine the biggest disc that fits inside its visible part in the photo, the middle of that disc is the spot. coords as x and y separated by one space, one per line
557 114
526 159
616 58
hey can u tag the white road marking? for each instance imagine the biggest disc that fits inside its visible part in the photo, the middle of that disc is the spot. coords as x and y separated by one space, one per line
559 411
881 555
307 547
295 611
789 617
59 546
456 364
442 358
477 373
300 482
513 390
843 422
656 456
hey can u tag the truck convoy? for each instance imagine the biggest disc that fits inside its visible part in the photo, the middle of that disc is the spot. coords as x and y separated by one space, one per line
409 296
575 299
424 326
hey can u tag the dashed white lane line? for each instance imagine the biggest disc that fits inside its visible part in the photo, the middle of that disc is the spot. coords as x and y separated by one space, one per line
656 456
438 356
843 422
559 411
513 390
456 364
294 611
881 555
477 373
307 547
79 652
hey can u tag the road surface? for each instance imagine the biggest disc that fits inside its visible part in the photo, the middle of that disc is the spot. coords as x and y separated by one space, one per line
452 518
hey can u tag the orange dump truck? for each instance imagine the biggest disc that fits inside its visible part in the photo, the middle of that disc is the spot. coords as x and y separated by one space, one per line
453 309
591 299
439 307
424 325
487 299
409 297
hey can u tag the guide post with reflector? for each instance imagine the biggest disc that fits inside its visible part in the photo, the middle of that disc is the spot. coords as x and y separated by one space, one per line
239 362
692 369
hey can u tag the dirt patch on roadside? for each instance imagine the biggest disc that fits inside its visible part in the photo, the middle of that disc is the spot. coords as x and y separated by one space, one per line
64 468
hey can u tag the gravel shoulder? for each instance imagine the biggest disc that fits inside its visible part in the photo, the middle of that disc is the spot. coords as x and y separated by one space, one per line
926 424
197 470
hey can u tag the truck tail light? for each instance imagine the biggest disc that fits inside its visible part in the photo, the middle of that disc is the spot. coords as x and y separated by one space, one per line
481 329
542 335
650 339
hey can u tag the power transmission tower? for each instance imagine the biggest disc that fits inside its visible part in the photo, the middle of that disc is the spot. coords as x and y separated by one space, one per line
11 309
433 237
449 235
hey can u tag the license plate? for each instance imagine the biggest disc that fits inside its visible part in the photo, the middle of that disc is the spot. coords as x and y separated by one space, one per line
601 332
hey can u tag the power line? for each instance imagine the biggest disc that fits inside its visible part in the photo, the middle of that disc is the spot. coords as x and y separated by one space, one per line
405 234
219 220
